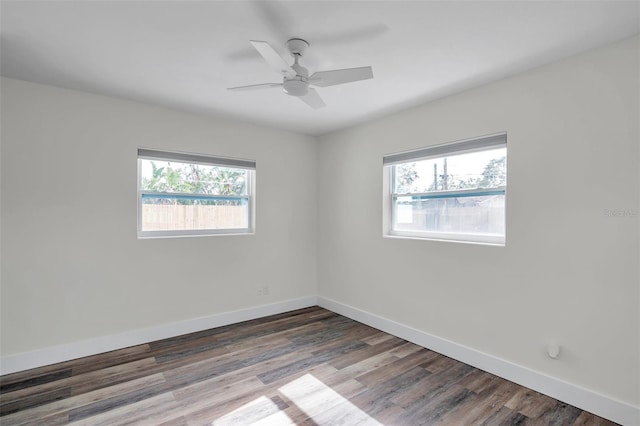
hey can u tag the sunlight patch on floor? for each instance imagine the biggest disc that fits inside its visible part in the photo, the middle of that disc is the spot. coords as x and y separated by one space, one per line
324 405
261 411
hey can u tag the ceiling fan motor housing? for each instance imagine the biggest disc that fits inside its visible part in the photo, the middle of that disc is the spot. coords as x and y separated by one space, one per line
295 86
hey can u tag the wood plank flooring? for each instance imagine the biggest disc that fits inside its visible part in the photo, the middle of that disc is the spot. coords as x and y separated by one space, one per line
306 367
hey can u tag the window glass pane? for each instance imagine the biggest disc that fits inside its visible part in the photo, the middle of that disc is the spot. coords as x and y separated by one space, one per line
186 196
176 177
459 195
482 215
484 169
191 213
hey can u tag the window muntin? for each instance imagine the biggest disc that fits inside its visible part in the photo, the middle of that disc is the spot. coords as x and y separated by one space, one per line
182 194
448 192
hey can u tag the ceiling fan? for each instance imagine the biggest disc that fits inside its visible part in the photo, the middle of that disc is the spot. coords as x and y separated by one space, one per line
296 79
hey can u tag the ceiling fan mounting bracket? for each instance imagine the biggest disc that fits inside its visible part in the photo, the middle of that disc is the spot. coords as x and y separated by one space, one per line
297 46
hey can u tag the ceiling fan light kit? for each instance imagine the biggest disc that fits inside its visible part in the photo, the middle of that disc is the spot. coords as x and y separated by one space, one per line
296 79
295 87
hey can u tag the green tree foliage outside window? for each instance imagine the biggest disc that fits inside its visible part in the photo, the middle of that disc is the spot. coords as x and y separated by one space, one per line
405 175
494 175
194 179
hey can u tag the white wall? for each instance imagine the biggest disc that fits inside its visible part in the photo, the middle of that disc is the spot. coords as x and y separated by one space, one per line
72 268
568 274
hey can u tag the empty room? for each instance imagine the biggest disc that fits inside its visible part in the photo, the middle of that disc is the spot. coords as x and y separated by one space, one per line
320 213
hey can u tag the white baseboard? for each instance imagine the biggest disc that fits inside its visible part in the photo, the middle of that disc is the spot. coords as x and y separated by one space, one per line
51 355
603 406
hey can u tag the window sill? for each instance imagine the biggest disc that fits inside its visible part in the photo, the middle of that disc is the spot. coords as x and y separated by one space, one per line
172 234
437 238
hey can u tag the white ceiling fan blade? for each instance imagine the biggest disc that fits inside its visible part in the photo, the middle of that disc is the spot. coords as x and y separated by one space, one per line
333 77
273 58
255 86
312 99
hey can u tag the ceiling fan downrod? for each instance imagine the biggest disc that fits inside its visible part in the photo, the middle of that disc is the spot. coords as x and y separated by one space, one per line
298 85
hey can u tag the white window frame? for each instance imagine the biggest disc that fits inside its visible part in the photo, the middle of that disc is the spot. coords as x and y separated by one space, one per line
484 143
208 160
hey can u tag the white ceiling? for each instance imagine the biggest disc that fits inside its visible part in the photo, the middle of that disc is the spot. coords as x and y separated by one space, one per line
184 54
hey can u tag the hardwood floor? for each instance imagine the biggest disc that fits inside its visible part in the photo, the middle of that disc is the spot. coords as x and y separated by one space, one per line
307 367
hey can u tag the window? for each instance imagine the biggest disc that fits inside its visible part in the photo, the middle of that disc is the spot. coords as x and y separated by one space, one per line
450 192
183 194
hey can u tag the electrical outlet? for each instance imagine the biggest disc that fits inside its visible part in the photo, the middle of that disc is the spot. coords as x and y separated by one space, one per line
263 291
553 350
